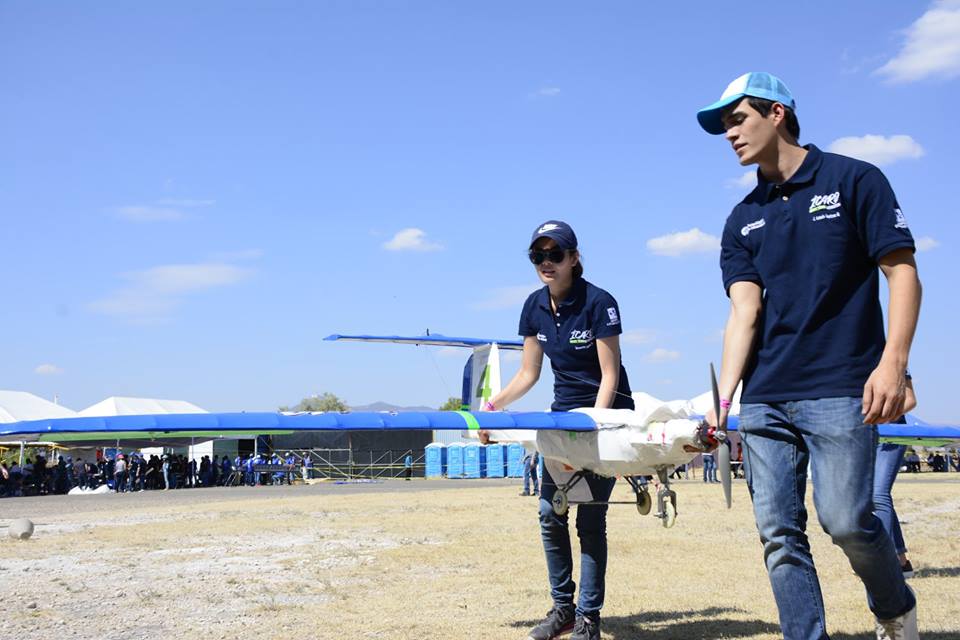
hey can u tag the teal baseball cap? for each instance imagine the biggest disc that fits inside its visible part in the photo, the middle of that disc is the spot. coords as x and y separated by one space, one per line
756 84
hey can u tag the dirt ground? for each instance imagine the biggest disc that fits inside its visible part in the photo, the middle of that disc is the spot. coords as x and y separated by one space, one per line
423 560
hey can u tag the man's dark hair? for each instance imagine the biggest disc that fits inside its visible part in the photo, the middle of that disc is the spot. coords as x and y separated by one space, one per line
763 108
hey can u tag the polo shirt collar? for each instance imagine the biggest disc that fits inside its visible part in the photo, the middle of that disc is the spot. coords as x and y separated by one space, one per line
803 175
578 291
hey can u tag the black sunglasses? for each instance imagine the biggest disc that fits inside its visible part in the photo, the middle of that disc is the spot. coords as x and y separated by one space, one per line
556 256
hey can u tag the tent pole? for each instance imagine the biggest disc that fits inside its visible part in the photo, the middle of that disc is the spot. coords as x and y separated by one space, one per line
22 445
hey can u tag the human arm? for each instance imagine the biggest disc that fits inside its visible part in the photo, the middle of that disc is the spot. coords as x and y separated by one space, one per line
608 351
739 336
884 393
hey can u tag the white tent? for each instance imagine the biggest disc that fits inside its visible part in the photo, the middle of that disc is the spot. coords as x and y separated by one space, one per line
123 406
120 406
20 405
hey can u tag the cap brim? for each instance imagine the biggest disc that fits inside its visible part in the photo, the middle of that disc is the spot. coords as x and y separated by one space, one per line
709 117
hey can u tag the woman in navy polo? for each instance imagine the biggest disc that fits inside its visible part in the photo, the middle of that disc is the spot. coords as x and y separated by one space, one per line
577 325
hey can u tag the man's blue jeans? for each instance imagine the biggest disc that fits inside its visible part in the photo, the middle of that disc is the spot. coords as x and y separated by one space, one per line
530 473
779 441
592 531
889 461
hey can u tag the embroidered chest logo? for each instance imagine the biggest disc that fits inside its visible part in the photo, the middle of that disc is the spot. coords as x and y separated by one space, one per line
825 204
747 228
578 336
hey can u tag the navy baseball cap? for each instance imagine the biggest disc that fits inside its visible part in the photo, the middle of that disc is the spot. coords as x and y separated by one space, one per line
559 231
756 84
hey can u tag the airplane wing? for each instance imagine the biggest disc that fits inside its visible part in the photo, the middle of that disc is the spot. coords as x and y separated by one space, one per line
434 339
225 423
912 431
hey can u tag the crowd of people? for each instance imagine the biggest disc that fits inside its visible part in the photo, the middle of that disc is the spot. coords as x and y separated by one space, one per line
137 472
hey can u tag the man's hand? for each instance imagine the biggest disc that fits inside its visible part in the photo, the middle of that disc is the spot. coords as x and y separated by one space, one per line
884 394
711 421
484 436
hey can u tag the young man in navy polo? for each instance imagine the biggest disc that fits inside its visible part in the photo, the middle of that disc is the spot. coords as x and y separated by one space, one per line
800 257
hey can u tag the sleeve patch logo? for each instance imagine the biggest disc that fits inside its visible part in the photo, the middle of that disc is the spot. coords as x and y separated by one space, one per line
614 317
901 220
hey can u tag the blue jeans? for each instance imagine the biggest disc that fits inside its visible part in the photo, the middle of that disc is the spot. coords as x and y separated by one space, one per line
779 441
592 531
530 473
889 461
709 468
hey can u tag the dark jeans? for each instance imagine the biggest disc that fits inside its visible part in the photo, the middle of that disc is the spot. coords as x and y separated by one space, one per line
889 461
592 531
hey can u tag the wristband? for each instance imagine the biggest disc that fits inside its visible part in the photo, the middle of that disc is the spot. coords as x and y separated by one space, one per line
488 406
724 403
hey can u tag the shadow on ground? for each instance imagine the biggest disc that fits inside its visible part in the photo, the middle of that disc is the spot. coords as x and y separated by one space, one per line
938 572
702 624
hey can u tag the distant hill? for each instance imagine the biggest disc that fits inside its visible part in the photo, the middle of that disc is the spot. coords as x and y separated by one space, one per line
386 406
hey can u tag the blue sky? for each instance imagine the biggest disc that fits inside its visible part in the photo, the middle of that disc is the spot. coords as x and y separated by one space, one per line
194 194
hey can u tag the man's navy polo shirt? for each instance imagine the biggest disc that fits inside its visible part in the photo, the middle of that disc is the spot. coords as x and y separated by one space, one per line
813 244
569 339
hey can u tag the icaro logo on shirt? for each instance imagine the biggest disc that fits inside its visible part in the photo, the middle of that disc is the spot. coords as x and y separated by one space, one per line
541 337
578 336
825 202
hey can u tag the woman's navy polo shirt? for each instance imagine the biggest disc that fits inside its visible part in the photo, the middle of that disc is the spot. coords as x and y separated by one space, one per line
569 339
813 245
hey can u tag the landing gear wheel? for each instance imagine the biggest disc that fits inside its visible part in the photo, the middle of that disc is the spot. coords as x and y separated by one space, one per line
560 502
669 515
644 502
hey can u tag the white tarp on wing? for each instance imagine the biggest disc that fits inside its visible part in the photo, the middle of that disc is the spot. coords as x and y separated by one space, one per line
20 405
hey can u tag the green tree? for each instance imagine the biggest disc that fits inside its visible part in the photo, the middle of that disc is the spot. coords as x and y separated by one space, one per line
325 402
452 404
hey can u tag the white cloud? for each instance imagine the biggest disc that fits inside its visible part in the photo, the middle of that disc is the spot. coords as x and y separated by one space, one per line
148 213
48 370
152 294
505 297
547 92
683 242
411 239
662 355
932 46
926 243
878 150
746 181
638 336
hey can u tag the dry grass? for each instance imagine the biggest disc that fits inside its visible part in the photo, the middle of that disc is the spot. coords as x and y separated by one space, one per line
438 564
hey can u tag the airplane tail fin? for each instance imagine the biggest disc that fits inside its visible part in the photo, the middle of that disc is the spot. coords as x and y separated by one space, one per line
481 377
